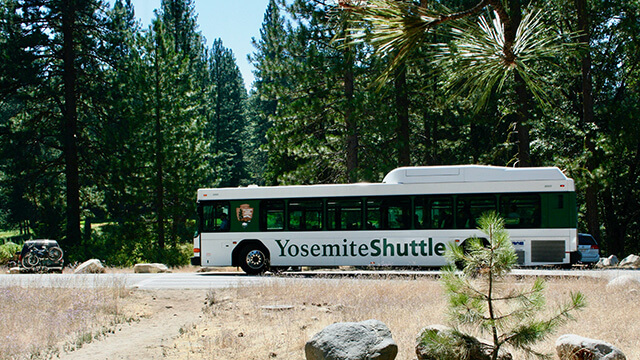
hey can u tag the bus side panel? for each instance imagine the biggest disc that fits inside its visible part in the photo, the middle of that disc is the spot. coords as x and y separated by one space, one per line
544 246
357 248
382 248
406 248
216 248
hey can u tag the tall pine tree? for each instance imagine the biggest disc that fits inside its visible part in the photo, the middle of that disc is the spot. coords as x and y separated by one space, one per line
58 41
226 124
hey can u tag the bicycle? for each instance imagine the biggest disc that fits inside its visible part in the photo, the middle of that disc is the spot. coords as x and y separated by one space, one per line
36 256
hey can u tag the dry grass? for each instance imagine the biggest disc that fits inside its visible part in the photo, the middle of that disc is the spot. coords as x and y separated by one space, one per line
41 322
237 325
245 323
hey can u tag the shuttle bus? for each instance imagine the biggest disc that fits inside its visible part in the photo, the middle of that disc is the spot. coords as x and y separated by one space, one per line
407 220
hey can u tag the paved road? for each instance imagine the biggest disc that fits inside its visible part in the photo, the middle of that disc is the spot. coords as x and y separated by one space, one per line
222 280
141 281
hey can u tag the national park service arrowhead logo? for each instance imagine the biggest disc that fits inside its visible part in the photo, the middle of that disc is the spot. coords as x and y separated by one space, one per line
244 214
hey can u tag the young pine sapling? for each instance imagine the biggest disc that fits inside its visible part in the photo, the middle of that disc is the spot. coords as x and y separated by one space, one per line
479 300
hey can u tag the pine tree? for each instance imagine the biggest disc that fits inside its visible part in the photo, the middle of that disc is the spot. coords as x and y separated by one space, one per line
270 61
180 22
485 56
121 143
174 118
315 129
55 45
226 124
477 300
255 150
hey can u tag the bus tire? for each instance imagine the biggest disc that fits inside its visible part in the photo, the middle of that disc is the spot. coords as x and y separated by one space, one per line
254 259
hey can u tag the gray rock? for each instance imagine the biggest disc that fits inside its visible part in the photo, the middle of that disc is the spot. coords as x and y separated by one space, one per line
575 347
457 346
366 340
608 262
93 266
631 261
152 268
626 281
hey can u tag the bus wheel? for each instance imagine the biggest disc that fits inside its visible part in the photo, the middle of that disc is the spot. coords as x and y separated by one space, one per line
253 260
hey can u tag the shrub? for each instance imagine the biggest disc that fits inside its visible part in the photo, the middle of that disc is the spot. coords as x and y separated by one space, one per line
7 251
177 255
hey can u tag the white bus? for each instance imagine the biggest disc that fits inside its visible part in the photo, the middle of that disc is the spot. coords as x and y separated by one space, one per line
407 220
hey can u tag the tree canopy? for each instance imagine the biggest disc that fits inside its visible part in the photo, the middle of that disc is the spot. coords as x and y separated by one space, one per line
108 128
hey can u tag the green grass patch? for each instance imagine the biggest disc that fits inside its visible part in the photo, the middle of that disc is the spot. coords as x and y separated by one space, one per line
7 234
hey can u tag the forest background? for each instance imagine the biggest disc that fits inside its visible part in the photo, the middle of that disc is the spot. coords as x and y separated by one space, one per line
108 129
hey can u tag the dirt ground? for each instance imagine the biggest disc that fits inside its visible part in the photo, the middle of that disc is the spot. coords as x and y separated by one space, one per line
160 317
274 321
202 324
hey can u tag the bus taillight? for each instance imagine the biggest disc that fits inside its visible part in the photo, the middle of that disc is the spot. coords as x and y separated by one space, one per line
196 251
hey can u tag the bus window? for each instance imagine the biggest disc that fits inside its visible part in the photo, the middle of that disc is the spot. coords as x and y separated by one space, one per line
215 216
441 211
388 213
419 215
272 215
520 210
374 214
433 212
470 207
344 214
398 210
305 214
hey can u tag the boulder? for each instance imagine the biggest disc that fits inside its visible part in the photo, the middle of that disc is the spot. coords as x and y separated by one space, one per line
152 268
93 266
366 340
457 345
626 281
607 262
631 261
574 347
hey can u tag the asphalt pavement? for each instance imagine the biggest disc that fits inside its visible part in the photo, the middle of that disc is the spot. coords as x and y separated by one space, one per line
204 280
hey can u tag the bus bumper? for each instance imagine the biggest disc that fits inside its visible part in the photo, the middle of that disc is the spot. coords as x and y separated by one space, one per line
195 261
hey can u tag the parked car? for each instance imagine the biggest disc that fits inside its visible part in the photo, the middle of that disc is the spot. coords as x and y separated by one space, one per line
41 255
588 248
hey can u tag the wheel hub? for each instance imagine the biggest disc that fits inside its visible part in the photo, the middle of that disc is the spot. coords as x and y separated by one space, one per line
255 259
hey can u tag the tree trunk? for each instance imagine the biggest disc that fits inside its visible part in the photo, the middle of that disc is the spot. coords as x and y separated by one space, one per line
350 119
591 192
430 138
86 236
522 95
522 129
70 125
402 111
159 156
615 229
